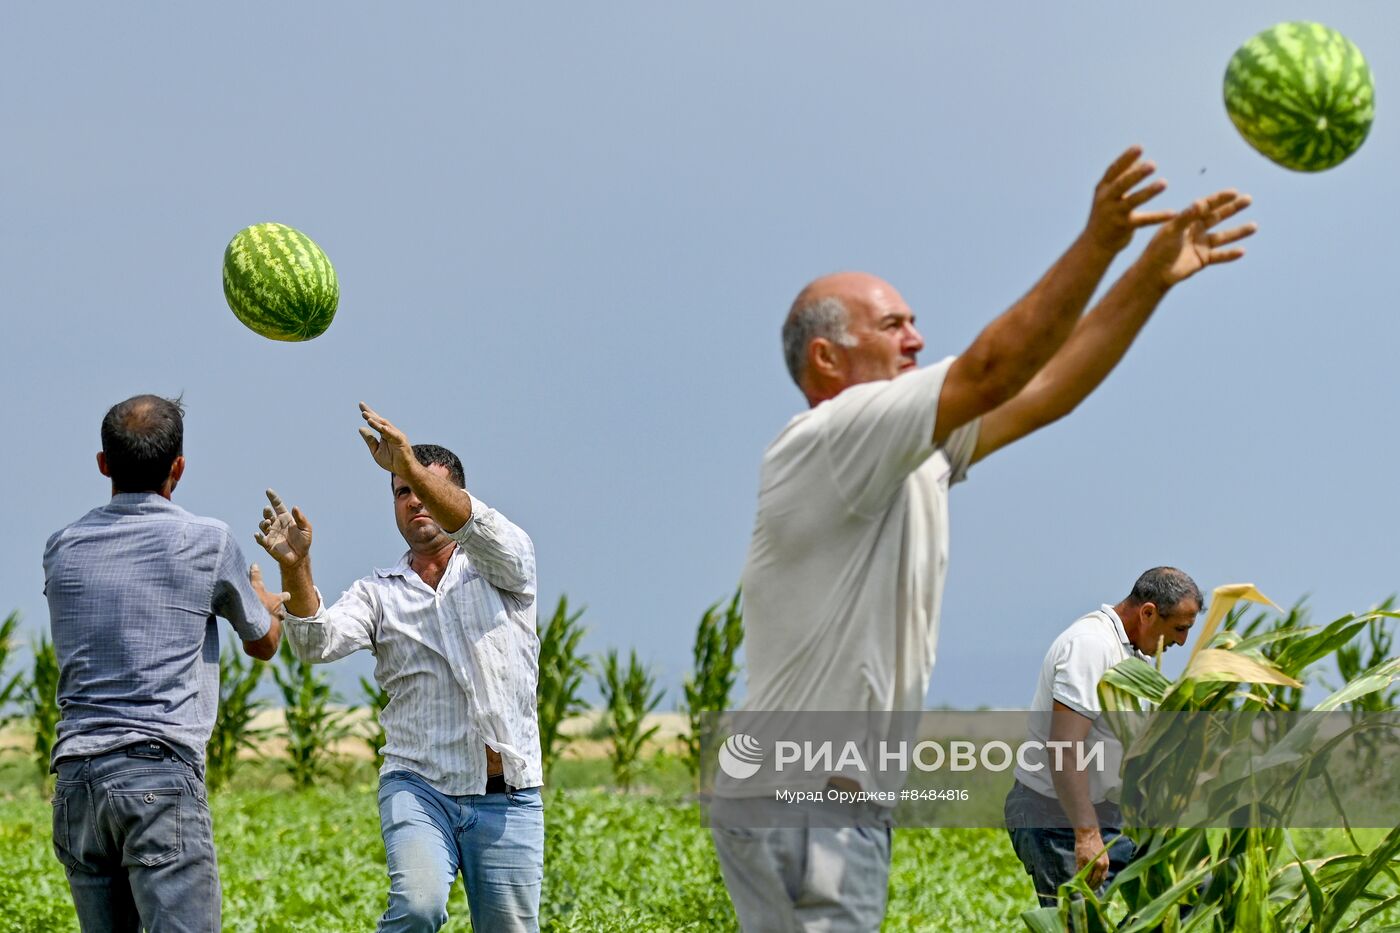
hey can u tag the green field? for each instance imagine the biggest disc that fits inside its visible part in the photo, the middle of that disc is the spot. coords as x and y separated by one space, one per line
640 862
313 860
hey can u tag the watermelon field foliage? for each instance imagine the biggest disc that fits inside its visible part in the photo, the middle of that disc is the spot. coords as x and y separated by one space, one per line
313 860
1267 877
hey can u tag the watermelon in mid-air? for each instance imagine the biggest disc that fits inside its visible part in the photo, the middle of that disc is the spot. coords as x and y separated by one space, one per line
1301 94
279 283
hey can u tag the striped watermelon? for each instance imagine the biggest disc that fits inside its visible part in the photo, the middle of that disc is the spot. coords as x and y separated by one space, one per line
1301 94
279 283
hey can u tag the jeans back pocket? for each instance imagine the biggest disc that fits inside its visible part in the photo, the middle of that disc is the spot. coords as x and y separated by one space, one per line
150 822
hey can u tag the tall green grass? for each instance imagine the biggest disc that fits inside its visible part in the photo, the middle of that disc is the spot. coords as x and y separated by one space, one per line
562 667
234 732
629 694
315 720
708 687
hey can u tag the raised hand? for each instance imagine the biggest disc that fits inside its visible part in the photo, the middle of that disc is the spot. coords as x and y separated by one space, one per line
285 535
1114 215
271 601
1188 242
391 449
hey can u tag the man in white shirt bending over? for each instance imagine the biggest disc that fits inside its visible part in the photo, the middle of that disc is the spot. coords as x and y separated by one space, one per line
1061 819
844 576
452 630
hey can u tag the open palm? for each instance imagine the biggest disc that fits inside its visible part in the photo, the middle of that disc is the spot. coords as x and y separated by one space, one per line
285 535
1189 242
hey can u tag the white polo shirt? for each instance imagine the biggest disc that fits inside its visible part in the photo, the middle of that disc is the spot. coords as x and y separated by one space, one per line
1070 673
844 578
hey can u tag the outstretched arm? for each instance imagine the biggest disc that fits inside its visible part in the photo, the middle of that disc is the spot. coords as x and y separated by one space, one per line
316 633
1013 348
501 551
1184 246
265 648
287 537
447 503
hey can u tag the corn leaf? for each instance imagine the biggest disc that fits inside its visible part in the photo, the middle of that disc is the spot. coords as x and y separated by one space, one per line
1377 678
1043 920
1138 678
1222 600
1215 665
1355 885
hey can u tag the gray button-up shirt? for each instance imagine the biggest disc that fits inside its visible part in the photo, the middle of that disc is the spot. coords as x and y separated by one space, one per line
133 589
459 662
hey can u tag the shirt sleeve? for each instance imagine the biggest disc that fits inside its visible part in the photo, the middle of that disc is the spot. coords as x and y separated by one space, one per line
1078 671
502 553
233 597
877 433
331 634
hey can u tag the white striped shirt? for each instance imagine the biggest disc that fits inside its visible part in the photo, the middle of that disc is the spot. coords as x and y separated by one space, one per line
460 663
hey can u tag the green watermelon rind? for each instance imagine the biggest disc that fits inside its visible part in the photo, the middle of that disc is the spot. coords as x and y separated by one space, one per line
279 283
1283 80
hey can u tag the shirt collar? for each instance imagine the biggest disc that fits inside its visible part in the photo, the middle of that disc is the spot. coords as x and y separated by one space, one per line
141 503
401 569
1122 632
404 569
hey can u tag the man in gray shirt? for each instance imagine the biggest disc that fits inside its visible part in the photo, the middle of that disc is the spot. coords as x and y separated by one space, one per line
133 588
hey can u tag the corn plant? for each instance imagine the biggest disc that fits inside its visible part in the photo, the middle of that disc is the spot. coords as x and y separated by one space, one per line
10 690
374 735
707 689
41 703
233 727
562 669
628 696
1353 659
1283 696
1191 878
314 722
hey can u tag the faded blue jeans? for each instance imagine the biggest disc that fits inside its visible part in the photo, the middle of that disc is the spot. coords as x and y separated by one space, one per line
133 832
496 841
1044 842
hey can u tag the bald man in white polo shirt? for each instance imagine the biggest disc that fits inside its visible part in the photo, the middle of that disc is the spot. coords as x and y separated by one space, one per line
1061 819
844 577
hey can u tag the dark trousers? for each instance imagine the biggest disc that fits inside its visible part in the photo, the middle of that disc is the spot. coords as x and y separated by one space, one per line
133 832
1044 841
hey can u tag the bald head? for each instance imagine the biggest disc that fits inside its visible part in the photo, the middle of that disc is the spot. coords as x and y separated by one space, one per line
850 288
847 328
142 438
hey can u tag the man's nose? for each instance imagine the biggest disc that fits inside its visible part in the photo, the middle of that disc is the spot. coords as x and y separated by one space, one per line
913 340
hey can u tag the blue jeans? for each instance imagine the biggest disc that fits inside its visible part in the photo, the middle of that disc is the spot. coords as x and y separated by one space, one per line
1044 842
133 832
495 840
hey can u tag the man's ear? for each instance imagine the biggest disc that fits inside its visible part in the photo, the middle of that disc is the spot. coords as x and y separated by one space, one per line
102 464
1148 612
177 470
821 357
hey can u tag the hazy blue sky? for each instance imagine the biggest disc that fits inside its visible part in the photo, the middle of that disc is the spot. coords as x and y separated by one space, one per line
566 238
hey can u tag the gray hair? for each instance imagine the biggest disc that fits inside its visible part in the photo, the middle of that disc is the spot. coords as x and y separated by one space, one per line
1165 587
808 320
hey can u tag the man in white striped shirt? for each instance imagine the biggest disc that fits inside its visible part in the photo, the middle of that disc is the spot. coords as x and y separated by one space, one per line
452 629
